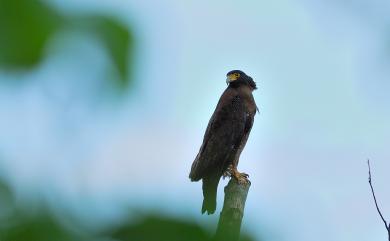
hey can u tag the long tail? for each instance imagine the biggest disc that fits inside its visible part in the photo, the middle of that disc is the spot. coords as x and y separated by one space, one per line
210 185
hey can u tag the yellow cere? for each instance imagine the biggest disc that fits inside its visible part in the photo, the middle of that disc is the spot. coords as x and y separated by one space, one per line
234 76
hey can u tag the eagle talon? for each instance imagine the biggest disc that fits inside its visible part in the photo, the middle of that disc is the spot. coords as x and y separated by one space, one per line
243 180
244 174
241 177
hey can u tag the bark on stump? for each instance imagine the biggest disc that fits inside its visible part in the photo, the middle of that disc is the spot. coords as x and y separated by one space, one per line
230 219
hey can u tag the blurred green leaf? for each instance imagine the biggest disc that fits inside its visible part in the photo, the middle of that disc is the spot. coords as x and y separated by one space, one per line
114 36
26 26
42 227
6 201
159 228
5 191
155 228
19 224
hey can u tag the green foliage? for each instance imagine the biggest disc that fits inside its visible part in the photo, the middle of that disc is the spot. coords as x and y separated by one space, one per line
42 227
26 26
6 201
155 228
114 36
23 224
158 228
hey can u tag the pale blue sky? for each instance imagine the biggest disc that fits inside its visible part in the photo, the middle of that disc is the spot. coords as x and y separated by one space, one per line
322 68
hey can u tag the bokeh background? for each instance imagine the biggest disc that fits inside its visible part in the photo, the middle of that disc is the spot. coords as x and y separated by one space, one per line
103 107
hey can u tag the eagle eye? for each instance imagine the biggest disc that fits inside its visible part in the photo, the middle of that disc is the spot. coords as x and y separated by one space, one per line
237 75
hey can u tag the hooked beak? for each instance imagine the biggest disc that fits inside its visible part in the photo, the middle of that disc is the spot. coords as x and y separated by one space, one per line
229 80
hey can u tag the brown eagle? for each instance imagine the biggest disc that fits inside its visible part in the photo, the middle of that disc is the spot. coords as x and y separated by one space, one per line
225 137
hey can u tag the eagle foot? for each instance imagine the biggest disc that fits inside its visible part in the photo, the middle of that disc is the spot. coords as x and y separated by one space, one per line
232 172
241 177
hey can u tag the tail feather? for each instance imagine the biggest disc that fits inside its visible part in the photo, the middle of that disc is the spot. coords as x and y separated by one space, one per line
195 172
210 186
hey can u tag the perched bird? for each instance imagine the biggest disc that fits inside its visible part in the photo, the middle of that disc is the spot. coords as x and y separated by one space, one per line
225 137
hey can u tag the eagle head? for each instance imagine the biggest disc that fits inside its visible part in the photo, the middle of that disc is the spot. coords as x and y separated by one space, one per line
236 78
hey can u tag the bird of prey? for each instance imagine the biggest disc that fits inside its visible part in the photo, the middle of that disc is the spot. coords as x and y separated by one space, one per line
225 137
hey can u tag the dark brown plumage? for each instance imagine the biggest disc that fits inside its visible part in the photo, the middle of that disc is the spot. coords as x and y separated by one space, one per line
225 137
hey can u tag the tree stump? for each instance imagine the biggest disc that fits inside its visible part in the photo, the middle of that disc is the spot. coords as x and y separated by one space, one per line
230 219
